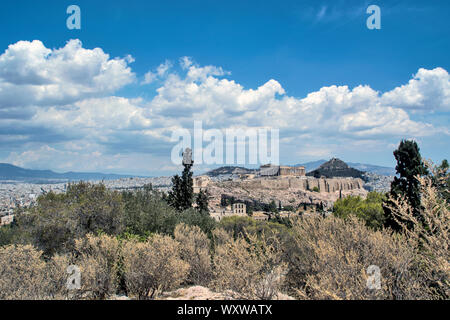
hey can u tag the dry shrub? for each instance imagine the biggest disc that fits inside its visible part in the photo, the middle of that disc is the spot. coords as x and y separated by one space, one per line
153 266
97 258
332 257
251 268
194 249
429 235
58 277
221 237
23 273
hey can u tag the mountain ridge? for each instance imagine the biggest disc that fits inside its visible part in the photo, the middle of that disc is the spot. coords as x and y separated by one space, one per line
16 173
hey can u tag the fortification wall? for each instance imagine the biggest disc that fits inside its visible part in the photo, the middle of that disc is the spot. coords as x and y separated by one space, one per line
304 183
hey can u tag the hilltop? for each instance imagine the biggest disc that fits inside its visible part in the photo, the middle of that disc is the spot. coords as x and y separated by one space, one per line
370 168
335 168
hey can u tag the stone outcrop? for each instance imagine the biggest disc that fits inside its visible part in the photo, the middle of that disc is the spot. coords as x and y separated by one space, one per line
288 190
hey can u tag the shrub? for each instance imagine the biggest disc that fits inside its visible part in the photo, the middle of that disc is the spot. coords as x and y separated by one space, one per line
23 274
240 226
7 235
58 277
97 258
332 256
153 266
251 269
195 218
429 235
195 250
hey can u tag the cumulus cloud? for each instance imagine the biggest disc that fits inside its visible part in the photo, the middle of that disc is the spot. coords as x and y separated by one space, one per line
428 90
31 74
59 106
358 112
162 69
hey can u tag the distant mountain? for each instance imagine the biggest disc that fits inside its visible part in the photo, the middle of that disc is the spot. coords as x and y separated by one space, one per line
11 172
229 170
383 171
380 170
335 168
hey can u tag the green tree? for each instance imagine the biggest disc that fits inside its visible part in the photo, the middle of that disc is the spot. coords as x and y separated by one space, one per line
202 202
146 212
370 210
409 166
182 194
272 207
58 219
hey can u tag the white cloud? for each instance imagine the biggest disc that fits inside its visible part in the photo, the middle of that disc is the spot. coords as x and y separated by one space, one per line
428 90
333 110
31 74
161 71
82 121
99 114
185 62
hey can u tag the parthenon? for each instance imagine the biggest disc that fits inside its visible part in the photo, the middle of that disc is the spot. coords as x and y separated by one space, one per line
272 170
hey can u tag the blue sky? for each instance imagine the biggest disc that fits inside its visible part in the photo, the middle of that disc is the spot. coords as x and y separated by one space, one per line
316 53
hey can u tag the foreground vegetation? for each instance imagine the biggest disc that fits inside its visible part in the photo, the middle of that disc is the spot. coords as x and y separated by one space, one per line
138 244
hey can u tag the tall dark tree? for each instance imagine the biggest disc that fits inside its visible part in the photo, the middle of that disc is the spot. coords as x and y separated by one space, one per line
409 166
202 202
182 194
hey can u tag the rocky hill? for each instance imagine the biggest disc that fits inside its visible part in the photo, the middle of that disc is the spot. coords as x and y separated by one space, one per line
335 168
370 168
289 191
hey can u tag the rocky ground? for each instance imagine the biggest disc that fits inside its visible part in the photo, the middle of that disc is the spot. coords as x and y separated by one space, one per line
203 293
199 293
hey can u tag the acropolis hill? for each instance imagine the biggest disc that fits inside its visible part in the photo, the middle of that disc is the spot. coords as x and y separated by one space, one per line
286 185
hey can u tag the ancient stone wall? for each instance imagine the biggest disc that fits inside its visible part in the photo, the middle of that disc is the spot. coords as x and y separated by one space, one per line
305 183
292 171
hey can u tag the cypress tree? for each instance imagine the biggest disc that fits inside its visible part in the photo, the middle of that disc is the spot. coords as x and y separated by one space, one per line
202 202
182 193
409 166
